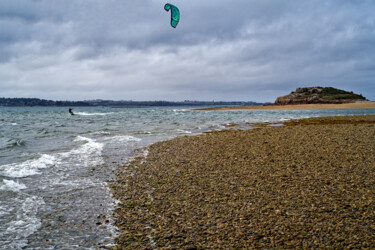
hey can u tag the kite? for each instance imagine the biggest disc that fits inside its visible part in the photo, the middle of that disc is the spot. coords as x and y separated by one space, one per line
175 14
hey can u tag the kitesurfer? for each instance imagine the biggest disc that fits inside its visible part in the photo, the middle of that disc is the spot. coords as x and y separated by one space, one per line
71 111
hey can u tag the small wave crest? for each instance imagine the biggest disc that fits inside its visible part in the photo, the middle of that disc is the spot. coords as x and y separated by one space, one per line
180 110
91 114
12 143
27 168
90 145
124 138
87 153
143 132
16 143
180 131
102 133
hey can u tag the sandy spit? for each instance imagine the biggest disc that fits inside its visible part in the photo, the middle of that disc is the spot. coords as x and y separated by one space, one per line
308 184
358 105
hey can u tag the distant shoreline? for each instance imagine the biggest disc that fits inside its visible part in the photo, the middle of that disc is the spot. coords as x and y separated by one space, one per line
357 105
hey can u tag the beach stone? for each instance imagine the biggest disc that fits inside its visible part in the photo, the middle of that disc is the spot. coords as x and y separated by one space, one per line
307 184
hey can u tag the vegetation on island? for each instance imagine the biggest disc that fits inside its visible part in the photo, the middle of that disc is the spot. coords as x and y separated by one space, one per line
319 95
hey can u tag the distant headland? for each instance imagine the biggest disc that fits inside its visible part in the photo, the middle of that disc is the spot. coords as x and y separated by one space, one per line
30 102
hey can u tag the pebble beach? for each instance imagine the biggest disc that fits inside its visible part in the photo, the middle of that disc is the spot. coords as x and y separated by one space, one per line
306 183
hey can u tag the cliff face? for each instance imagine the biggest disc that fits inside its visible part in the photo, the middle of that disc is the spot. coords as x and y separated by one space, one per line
318 95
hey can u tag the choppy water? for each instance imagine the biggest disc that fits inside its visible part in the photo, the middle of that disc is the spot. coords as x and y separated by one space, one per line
55 168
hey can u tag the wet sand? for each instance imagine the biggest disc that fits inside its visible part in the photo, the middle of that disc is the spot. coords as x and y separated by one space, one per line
308 184
359 105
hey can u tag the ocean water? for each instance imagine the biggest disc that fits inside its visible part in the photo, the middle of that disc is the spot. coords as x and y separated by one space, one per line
55 169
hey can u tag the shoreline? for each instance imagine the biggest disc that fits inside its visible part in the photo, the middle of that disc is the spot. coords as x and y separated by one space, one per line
306 184
359 105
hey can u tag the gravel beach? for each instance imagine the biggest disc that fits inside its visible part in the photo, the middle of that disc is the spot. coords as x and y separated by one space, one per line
307 184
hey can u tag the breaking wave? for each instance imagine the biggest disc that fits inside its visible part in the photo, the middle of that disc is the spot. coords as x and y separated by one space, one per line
91 114
29 167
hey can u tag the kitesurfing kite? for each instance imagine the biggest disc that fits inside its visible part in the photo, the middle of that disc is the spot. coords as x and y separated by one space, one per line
175 14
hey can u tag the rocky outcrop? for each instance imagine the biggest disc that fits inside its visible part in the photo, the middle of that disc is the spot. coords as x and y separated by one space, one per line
316 95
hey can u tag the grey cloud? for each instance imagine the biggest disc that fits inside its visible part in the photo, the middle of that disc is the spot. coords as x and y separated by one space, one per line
24 10
239 49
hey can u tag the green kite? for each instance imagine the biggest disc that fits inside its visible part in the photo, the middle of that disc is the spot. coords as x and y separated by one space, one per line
175 14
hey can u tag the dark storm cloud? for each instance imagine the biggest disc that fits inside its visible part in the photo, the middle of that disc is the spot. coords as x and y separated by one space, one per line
228 50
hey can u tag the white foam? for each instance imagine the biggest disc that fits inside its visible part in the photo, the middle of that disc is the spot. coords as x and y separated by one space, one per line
124 138
29 167
75 184
25 223
10 185
88 154
14 123
82 138
90 114
101 133
91 146
180 131
111 227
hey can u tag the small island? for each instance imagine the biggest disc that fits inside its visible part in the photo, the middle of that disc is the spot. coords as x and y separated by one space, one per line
319 95
313 98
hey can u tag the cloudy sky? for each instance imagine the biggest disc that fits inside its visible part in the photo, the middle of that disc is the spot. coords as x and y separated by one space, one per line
245 50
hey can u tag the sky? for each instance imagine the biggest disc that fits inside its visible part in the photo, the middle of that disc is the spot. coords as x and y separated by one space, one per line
222 50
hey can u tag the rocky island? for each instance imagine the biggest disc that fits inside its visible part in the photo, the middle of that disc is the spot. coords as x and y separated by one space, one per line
319 95
312 98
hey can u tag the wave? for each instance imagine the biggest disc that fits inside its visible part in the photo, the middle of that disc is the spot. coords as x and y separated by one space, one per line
12 143
180 110
91 114
90 146
87 154
124 138
180 131
10 185
18 143
43 131
27 168
102 133
143 132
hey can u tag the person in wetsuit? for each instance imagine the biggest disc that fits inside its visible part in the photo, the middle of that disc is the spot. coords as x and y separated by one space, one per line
71 111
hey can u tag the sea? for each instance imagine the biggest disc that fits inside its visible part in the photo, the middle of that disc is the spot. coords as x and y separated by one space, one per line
56 169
